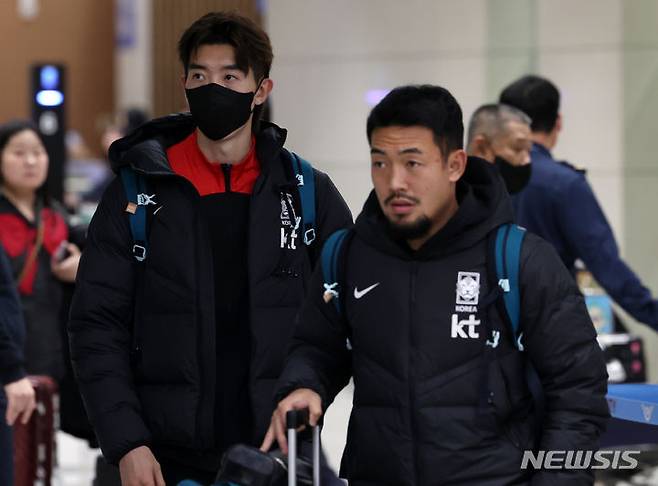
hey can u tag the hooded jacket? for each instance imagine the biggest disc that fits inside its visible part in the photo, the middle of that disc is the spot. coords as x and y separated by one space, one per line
438 399
164 396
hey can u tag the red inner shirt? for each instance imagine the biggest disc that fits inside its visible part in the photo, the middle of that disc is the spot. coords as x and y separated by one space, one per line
187 160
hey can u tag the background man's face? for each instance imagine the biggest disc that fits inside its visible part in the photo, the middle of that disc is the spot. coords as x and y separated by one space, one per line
412 180
513 143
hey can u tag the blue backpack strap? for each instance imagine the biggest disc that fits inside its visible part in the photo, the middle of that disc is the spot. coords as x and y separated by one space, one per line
509 239
329 260
134 187
306 187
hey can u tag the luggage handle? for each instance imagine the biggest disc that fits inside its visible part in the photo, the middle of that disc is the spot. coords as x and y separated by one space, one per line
294 420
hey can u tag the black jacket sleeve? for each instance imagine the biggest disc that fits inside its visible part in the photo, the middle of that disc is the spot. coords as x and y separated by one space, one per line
560 341
100 329
332 212
11 326
318 357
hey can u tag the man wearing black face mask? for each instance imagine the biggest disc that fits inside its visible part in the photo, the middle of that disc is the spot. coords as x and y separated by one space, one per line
177 346
500 134
559 205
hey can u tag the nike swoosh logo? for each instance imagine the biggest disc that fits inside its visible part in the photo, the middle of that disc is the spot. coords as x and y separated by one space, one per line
360 293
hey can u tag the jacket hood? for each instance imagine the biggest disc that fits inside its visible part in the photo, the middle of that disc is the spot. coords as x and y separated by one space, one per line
484 204
146 147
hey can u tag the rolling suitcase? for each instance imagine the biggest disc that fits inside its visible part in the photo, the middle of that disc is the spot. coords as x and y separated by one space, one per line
243 465
294 420
34 442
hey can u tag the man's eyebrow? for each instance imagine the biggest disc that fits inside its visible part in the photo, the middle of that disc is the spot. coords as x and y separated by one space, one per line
196 66
412 150
375 150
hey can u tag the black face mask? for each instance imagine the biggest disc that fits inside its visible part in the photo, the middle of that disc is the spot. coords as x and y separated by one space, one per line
217 110
516 177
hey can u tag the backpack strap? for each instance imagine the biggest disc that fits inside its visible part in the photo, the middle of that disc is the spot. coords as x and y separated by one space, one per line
329 260
306 187
135 189
509 239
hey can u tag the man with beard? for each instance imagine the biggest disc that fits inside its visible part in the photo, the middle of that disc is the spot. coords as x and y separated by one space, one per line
500 134
440 388
559 205
178 343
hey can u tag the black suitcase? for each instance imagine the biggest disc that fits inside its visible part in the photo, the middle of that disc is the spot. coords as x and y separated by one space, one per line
247 466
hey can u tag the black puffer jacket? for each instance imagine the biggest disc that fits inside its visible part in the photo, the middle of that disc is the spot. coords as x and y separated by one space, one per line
12 328
429 409
166 396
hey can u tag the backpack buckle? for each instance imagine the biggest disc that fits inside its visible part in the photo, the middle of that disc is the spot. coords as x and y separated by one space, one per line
309 236
139 252
145 199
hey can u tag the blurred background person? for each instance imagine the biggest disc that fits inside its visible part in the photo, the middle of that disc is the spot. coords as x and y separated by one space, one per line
500 134
559 205
88 175
34 234
16 393
44 258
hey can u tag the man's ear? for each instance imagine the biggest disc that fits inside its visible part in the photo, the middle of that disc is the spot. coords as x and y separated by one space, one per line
456 165
263 92
480 147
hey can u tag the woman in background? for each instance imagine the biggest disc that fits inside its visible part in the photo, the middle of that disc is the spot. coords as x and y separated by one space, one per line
34 235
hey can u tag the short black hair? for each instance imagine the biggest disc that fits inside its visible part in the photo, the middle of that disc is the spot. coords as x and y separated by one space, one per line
252 46
537 97
427 106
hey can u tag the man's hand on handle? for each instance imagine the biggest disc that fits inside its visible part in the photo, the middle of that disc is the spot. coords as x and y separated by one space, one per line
20 401
301 398
139 468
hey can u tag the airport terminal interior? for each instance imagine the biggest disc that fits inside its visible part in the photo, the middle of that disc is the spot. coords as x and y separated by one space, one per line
87 72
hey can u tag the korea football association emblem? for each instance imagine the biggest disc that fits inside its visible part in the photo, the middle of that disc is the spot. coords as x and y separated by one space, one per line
468 288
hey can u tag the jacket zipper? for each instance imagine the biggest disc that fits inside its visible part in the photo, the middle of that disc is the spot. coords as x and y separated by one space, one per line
412 390
226 169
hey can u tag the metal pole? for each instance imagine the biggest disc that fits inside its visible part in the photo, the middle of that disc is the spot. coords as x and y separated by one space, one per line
316 455
292 457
